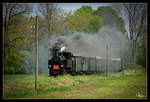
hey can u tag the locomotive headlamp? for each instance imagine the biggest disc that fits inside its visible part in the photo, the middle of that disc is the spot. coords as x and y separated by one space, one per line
50 66
62 65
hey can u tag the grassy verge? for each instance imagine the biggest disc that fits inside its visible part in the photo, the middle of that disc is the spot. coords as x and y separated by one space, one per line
118 85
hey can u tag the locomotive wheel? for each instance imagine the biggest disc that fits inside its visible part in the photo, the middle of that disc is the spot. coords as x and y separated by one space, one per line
50 72
60 71
63 71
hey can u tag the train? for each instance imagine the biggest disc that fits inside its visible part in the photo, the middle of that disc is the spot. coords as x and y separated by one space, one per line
63 62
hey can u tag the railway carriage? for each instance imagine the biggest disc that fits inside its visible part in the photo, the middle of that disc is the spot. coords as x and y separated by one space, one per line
81 64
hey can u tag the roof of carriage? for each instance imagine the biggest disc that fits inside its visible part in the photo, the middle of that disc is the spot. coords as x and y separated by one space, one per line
98 57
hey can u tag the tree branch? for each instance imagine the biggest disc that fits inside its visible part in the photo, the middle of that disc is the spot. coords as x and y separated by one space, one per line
16 39
141 26
9 43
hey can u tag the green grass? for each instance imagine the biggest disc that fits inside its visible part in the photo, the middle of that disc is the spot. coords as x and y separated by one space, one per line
96 86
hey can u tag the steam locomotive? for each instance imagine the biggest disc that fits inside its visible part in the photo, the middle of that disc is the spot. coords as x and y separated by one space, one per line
64 62
58 63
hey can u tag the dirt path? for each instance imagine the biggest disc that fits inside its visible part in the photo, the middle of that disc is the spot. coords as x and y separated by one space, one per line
77 92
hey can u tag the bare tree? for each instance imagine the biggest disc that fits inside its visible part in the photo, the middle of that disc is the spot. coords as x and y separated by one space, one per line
51 17
47 10
135 14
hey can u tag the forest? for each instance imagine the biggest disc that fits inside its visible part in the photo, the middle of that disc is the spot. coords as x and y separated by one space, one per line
19 31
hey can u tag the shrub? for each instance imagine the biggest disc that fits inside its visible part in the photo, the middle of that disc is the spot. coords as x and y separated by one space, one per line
139 67
132 66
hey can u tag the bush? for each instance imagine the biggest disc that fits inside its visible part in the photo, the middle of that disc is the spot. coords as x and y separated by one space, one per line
12 70
138 67
132 66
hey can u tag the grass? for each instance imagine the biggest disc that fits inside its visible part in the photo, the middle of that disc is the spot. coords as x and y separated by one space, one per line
96 86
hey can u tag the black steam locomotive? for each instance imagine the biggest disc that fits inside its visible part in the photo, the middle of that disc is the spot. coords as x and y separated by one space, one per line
58 63
64 62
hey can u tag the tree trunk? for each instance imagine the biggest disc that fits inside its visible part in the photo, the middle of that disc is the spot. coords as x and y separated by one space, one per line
133 51
134 56
5 37
130 51
133 62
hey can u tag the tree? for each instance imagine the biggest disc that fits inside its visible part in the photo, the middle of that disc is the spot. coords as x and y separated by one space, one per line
18 48
83 20
135 14
141 48
10 10
110 17
15 35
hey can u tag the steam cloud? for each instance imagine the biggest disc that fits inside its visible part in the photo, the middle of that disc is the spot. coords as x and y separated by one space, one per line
81 44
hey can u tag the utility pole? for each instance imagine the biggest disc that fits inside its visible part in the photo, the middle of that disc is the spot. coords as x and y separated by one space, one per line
96 65
107 60
36 58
